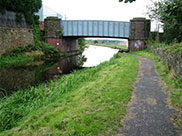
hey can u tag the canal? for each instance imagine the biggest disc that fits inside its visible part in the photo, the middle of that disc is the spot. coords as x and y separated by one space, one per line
13 79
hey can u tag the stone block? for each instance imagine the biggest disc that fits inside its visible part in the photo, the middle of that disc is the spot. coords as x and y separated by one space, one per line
12 37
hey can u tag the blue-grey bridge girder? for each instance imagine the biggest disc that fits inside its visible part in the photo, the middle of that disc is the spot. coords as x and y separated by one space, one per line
95 28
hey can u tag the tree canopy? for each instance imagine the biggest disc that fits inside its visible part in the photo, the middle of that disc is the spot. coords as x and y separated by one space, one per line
22 7
126 1
169 13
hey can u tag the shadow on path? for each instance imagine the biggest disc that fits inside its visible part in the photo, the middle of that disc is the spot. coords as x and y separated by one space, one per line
148 113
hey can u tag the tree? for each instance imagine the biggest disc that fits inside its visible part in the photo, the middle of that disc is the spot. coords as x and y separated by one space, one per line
22 7
95 42
169 13
126 1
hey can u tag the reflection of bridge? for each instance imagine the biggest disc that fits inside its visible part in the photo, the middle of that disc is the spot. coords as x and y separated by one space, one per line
136 31
86 28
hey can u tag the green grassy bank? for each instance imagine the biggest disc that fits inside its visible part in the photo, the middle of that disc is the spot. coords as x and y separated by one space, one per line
30 55
174 87
91 101
113 46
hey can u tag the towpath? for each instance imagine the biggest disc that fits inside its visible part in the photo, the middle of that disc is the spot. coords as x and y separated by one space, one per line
148 113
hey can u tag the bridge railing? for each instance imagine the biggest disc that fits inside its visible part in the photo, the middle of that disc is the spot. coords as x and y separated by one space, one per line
93 28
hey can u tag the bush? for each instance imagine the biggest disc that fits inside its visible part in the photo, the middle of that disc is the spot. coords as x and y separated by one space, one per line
49 50
169 13
46 48
19 57
171 55
22 7
81 44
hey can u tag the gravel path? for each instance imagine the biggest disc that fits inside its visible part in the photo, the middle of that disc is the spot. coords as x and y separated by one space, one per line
148 113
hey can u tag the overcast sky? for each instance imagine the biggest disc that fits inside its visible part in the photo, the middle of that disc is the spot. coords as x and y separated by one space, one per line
98 9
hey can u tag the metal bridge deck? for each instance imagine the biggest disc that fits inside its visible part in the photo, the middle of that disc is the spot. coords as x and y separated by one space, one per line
93 28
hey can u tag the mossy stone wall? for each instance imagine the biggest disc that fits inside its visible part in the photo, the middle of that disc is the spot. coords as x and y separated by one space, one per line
12 33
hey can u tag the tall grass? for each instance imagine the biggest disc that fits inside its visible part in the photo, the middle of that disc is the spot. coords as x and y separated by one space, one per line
90 101
14 108
15 61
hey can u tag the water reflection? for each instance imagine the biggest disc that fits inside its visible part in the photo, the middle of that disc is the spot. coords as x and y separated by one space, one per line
64 67
14 79
97 54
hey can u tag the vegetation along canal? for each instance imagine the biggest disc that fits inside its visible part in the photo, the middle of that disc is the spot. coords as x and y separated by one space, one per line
12 79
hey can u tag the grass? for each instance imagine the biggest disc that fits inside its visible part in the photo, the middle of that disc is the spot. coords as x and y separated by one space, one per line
173 49
113 46
29 55
174 85
145 53
17 61
91 101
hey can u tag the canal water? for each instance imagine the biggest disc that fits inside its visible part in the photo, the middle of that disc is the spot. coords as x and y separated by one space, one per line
98 54
12 79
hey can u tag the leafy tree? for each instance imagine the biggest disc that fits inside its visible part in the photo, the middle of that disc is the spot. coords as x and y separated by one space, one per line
95 42
22 7
169 13
81 44
126 1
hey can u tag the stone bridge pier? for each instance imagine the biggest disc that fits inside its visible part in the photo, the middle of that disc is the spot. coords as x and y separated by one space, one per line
53 36
139 33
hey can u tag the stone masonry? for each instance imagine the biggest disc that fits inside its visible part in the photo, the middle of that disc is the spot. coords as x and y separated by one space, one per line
52 27
13 34
11 37
140 31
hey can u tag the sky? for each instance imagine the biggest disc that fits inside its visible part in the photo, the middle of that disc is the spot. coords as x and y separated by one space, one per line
99 9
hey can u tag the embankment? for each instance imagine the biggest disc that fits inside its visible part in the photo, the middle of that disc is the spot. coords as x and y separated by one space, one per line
91 101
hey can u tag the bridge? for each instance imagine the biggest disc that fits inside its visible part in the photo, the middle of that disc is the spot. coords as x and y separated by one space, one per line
136 31
93 28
